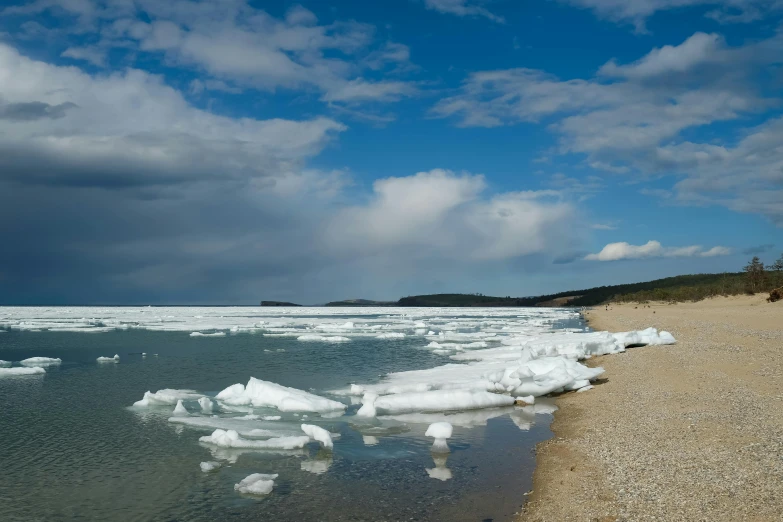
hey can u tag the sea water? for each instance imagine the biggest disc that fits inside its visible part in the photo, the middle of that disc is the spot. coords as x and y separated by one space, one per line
73 447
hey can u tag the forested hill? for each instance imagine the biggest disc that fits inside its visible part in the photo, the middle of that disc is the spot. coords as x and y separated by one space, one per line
679 288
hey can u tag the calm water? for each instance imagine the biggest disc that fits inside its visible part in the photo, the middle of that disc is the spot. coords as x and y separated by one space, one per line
73 449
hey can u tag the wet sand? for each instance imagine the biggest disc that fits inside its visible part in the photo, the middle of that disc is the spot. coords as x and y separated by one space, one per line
692 431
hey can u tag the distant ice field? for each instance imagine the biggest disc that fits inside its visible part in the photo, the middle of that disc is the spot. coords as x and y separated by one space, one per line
213 412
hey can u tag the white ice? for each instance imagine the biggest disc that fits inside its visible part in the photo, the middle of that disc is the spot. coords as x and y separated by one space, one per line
213 334
180 410
440 431
206 405
166 397
40 361
4 364
440 400
322 338
114 359
231 439
10 372
260 393
208 466
319 434
244 427
256 484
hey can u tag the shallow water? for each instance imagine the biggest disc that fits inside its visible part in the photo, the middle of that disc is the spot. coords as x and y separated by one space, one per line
73 449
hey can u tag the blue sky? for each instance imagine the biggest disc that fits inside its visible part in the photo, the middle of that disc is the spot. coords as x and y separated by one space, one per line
231 151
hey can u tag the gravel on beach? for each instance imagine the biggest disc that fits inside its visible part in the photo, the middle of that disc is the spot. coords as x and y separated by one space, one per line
687 432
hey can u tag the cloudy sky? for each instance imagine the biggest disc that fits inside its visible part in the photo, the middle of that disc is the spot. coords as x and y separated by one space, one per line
228 151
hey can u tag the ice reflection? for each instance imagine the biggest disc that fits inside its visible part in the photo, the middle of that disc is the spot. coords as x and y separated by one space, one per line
440 471
318 465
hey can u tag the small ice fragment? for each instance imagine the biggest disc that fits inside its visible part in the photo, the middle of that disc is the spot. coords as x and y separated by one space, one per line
214 334
356 389
114 359
585 388
256 484
391 335
206 404
40 361
319 434
440 431
208 466
231 439
271 417
179 410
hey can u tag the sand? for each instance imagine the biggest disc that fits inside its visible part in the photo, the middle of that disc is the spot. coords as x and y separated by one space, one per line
686 432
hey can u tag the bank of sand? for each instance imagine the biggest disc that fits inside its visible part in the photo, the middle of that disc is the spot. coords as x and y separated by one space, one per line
687 432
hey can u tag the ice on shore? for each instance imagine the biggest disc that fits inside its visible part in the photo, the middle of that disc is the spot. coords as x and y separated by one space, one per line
440 431
208 466
256 484
22 370
180 410
206 405
166 397
319 434
260 393
650 336
231 439
40 361
114 359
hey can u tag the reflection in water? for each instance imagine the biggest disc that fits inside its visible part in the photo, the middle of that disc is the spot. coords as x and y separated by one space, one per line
440 471
320 464
369 440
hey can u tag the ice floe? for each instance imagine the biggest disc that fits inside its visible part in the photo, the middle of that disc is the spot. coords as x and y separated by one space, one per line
212 334
40 361
256 484
21 370
319 434
166 397
260 393
232 439
114 359
323 338
208 466
206 405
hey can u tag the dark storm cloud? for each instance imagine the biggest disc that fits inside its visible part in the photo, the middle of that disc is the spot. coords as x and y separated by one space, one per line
31 111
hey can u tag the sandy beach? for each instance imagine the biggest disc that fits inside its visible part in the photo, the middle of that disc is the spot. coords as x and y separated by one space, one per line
692 431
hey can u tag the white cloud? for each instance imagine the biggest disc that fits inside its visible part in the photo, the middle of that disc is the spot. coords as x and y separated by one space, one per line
636 12
462 8
443 214
137 130
236 43
93 55
623 250
631 119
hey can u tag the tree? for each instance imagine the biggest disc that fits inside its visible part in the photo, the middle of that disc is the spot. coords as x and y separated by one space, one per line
777 266
755 271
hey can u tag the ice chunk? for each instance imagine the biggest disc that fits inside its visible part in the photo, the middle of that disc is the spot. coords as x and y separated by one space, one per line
9 372
166 397
244 427
179 410
391 335
256 484
271 417
268 394
114 359
40 361
206 404
585 388
5 364
650 336
213 334
319 434
231 439
440 400
324 339
357 390
368 405
208 466
440 431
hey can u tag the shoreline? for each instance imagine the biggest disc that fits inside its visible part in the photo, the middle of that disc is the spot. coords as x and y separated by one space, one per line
683 432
